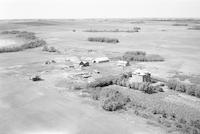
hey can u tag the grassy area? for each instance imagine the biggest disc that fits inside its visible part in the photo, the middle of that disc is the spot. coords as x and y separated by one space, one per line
31 41
141 56
103 39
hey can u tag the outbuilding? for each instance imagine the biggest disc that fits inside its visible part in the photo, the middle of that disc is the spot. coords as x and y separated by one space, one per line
123 63
101 60
84 63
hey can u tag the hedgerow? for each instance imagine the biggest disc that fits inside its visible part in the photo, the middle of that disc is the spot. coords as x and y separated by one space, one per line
103 39
141 56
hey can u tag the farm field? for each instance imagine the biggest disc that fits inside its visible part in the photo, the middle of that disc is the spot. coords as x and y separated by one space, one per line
60 102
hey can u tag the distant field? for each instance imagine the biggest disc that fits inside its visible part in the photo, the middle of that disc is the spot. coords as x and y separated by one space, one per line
171 47
178 45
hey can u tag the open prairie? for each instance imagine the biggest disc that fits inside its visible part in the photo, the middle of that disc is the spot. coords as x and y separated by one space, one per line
53 106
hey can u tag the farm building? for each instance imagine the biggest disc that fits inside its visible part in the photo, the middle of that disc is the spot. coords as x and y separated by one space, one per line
123 63
101 60
84 63
140 76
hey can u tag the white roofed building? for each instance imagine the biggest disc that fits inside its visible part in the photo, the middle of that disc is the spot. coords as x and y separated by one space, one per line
101 60
123 63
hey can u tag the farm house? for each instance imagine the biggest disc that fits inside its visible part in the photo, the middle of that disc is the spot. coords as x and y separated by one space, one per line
140 76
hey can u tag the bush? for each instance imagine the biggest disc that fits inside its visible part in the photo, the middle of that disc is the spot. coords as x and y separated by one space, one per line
135 29
95 93
133 55
22 34
176 85
34 44
145 87
197 92
78 86
194 28
103 39
45 48
180 87
152 89
11 32
52 49
172 83
182 121
104 81
49 49
190 90
141 56
180 24
112 99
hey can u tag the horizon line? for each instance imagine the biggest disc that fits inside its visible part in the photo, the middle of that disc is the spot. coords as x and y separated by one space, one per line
163 18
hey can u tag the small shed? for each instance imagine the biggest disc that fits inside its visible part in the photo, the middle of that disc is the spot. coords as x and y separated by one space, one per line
84 63
123 63
101 60
140 76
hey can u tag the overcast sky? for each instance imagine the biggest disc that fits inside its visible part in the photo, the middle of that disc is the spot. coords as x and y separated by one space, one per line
26 9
